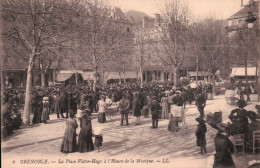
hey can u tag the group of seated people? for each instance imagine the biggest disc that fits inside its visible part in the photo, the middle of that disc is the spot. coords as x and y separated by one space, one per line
240 123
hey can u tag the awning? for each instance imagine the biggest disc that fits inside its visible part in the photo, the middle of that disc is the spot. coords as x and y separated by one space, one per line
200 73
64 76
87 75
115 75
251 71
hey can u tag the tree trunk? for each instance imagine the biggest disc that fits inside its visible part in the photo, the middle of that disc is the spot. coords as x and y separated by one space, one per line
76 77
95 80
141 71
214 83
175 77
27 105
120 80
246 72
124 73
43 77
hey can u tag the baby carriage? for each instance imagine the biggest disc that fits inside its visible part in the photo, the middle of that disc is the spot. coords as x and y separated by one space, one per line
231 97
212 119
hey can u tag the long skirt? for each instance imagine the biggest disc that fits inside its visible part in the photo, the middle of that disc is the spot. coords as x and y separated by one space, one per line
37 116
173 124
45 115
165 111
227 162
68 146
101 117
85 142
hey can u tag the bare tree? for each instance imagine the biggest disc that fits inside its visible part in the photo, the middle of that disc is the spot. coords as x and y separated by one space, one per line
100 36
143 48
36 26
173 36
210 44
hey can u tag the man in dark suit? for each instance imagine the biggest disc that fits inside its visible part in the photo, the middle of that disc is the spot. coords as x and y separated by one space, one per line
201 103
155 107
124 106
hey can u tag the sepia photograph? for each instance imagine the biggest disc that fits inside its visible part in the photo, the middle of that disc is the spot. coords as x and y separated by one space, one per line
130 83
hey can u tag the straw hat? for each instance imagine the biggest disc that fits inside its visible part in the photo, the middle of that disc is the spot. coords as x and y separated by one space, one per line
223 127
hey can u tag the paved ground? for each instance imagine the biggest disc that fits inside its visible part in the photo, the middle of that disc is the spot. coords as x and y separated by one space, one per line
135 146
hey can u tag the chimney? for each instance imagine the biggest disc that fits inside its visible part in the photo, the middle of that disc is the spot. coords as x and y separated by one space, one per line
145 21
157 19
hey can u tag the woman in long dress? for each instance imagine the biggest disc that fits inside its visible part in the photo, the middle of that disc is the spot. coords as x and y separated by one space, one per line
101 105
85 136
69 144
37 108
137 107
45 110
165 108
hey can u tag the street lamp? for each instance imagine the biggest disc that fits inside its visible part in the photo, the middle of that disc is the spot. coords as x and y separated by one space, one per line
250 20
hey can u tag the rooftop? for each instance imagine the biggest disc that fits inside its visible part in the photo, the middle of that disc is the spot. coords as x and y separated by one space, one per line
244 11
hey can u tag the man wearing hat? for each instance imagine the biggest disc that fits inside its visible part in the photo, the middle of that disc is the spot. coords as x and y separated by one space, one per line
124 106
224 148
239 118
155 107
201 103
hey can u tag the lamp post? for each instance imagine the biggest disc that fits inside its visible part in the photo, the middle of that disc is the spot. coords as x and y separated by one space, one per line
250 20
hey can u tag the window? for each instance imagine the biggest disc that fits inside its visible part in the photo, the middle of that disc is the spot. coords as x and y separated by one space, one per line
234 22
240 22
159 76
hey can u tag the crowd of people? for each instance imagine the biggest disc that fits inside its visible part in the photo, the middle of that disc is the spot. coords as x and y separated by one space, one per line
152 99
10 111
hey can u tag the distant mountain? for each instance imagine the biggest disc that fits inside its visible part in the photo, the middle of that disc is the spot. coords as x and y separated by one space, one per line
136 16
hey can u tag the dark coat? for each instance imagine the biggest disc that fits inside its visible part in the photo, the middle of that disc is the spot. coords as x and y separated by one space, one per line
155 107
183 96
224 148
63 102
189 95
201 101
239 121
137 106
98 140
253 126
85 142
200 134
124 106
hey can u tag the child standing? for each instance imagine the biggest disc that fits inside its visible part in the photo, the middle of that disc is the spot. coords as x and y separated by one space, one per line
97 133
155 107
200 134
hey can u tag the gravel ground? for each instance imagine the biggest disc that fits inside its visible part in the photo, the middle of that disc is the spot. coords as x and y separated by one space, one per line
123 146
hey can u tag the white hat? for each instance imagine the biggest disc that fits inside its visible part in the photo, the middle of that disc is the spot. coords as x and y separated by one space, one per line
97 131
45 98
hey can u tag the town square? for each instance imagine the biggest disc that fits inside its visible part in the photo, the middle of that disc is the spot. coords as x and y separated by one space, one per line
120 83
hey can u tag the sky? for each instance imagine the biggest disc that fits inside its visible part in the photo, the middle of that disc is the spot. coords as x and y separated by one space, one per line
222 9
